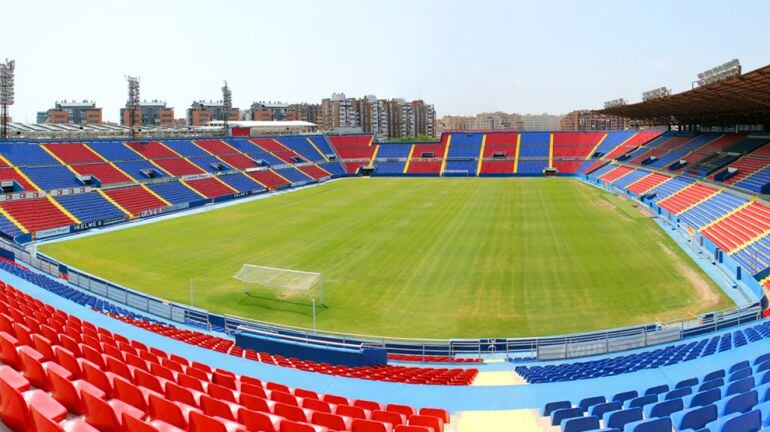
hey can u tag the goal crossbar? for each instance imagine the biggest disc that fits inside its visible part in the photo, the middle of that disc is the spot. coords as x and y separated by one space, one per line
278 278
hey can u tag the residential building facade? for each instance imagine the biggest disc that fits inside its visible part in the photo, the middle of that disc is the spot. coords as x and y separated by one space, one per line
152 113
78 113
201 113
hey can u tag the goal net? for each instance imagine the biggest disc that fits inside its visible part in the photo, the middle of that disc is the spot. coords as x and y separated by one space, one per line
278 278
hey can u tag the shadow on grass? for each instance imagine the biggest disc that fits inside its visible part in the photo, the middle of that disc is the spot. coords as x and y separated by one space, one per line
294 306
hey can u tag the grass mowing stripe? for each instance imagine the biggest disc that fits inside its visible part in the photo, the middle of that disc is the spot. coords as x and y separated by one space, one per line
428 257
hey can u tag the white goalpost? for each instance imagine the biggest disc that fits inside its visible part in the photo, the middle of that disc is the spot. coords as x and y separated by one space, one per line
283 280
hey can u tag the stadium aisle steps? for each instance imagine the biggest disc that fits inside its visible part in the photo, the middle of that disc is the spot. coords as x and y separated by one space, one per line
135 199
59 371
37 214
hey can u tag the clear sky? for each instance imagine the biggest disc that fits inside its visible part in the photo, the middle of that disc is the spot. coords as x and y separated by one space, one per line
463 56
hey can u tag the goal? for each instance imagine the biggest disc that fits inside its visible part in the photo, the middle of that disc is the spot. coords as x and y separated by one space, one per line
280 279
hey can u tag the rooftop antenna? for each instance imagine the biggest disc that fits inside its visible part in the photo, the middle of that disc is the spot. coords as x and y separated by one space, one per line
6 94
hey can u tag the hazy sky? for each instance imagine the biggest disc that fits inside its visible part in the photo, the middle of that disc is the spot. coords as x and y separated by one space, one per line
463 56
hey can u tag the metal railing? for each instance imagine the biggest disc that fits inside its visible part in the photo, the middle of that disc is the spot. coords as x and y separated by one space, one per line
545 348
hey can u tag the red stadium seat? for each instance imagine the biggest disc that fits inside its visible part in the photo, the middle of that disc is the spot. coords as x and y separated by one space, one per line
436 412
360 425
107 416
434 423
410 428
68 392
45 424
332 421
401 409
15 406
259 421
393 418
202 423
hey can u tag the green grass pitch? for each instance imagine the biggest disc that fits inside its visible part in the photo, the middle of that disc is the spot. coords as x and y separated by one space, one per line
428 258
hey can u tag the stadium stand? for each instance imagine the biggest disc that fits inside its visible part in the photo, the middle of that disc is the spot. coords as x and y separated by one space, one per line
152 150
37 214
178 167
269 179
711 209
534 145
51 177
105 172
138 168
303 146
113 151
238 161
273 146
615 173
499 153
577 145
740 227
313 171
353 150
72 153
292 174
647 183
26 155
174 192
185 148
426 158
216 147
210 187
241 182
687 198
12 174
135 199
645 359
210 163
62 372
90 207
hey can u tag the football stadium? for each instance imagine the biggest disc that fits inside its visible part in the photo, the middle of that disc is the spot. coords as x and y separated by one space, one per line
276 274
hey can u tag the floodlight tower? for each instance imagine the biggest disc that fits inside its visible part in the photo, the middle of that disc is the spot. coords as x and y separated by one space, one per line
133 102
6 94
227 106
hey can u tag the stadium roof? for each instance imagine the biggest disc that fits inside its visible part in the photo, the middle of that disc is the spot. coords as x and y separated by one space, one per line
743 100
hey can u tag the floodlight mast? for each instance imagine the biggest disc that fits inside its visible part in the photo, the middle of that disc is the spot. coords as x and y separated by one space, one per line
7 70
227 106
133 103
